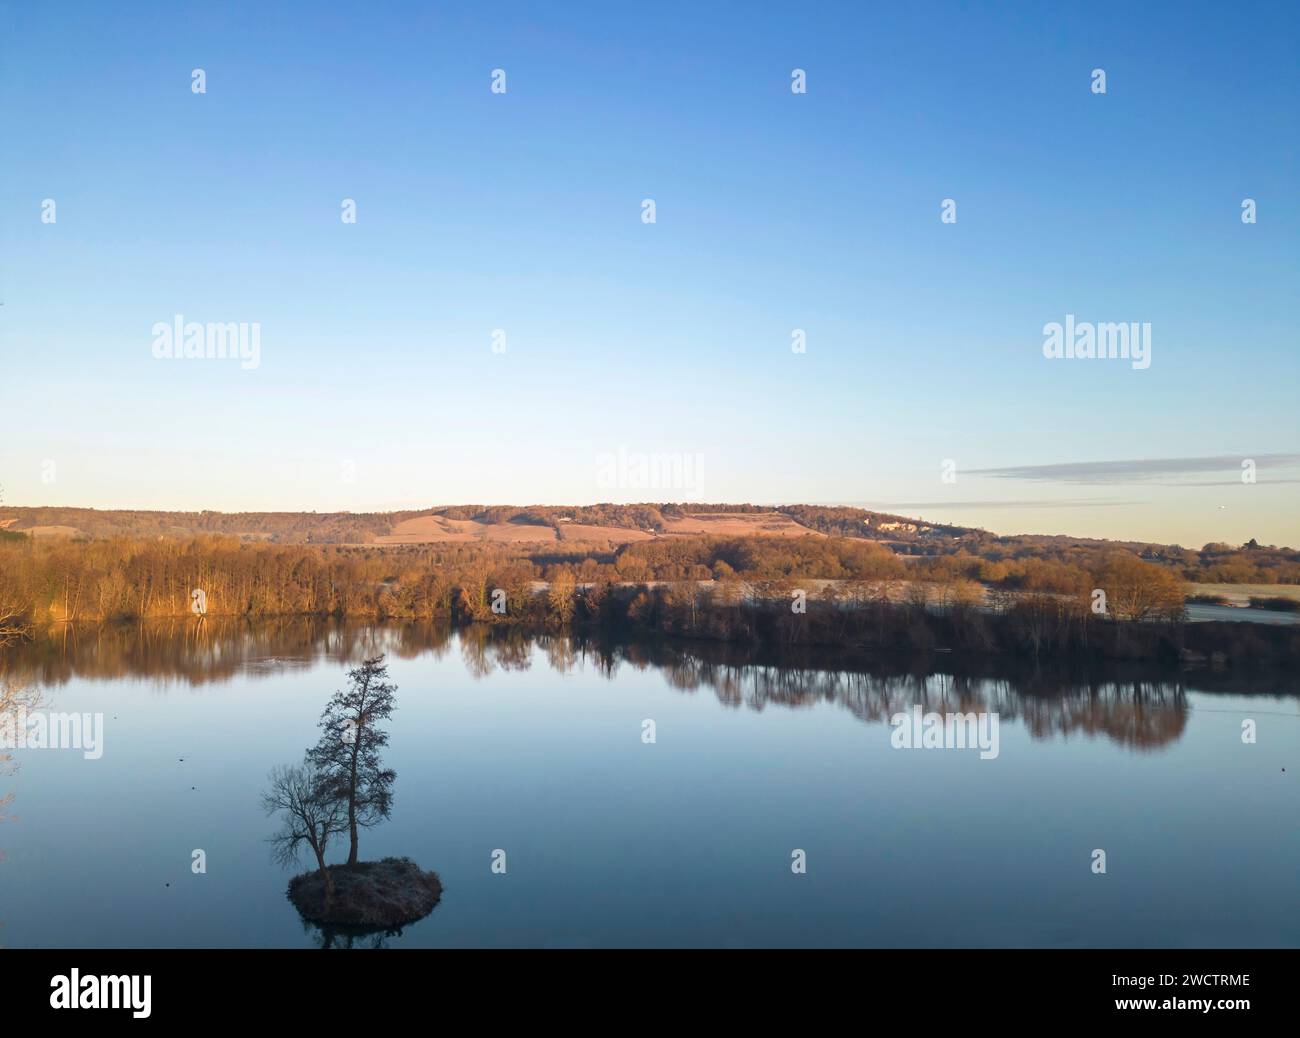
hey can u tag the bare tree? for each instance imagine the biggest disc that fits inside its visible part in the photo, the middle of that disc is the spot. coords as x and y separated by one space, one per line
13 619
1137 590
347 754
13 612
311 813
14 698
560 594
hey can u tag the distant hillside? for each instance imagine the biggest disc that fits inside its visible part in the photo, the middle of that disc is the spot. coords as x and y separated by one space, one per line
608 523
572 531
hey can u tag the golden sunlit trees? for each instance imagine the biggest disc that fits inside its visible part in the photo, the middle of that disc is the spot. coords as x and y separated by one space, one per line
1137 590
53 580
13 613
560 594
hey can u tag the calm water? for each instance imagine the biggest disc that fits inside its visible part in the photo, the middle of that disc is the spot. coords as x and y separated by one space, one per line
534 746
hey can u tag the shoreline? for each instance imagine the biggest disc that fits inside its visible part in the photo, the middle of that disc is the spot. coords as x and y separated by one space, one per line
1038 632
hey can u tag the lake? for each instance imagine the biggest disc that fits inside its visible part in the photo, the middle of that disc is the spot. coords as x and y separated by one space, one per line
535 745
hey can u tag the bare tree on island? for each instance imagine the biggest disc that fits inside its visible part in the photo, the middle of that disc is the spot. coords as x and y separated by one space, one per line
311 812
347 755
339 787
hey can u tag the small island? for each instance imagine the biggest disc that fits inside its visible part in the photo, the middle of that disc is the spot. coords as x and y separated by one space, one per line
388 893
340 788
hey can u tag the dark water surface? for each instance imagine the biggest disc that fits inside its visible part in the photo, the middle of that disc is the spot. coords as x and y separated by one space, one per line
533 745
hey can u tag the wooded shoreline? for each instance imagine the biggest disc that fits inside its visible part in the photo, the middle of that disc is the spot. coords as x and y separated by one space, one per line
828 592
1039 630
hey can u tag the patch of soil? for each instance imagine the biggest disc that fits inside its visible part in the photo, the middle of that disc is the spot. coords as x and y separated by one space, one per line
391 892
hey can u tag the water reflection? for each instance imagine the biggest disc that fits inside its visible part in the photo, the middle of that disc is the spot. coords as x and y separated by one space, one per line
497 751
336 935
1134 706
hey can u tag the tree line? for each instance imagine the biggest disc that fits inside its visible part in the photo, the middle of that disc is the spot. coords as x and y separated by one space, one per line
44 581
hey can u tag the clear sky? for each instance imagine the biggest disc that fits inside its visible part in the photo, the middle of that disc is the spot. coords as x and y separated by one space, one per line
377 386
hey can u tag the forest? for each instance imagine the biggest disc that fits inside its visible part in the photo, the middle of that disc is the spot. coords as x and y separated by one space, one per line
839 592
52 579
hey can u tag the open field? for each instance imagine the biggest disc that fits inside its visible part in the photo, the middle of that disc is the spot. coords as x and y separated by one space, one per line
434 529
1241 594
605 525
51 531
732 524
587 533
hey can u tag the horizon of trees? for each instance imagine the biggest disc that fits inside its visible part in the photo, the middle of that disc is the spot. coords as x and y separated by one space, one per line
49 581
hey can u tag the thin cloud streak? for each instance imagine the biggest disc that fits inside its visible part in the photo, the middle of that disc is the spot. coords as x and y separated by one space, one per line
1103 473
1230 483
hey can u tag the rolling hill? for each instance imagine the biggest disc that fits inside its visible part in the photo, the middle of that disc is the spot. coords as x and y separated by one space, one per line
591 524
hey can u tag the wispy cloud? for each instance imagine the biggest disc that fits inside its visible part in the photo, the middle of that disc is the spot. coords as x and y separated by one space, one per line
1225 482
1141 470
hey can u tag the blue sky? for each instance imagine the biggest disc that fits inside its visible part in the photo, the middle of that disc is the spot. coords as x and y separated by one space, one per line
377 387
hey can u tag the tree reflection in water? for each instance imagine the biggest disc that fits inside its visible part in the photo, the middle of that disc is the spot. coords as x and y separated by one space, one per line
1135 706
335 935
